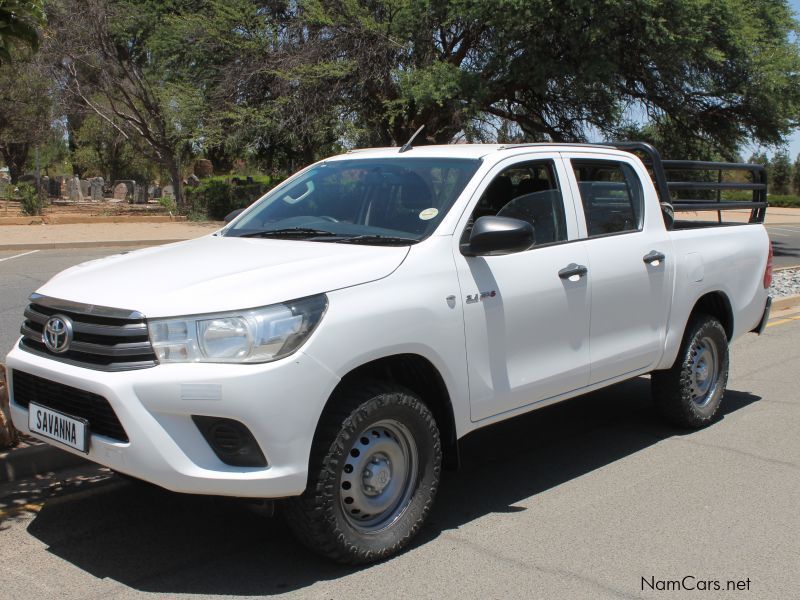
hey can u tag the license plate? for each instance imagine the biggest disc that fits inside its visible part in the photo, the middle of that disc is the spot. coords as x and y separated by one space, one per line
70 431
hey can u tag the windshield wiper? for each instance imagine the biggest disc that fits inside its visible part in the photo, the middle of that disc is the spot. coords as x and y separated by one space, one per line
291 232
376 239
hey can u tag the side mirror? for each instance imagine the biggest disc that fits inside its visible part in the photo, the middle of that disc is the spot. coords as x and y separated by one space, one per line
233 214
491 236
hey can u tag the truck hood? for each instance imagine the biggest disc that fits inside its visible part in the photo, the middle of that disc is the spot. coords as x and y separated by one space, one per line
215 274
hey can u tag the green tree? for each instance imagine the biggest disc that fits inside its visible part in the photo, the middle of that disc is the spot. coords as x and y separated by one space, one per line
26 110
19 20
796 176
112 63
715 71
780 173
101 150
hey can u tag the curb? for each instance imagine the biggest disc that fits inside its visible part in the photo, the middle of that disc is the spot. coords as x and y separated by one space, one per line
36 460
89 220
93 244
786 302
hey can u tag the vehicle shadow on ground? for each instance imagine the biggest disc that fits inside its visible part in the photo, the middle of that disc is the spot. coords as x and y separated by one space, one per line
783 249
155 541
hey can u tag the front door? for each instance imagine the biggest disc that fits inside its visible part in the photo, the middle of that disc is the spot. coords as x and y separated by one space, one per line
526 326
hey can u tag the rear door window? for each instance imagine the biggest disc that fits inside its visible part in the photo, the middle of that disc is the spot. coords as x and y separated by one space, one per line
611 195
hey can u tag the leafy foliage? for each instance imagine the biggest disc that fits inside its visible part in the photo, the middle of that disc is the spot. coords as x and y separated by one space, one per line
217 196
145 85
780 201
780 173
26 103
18 22
31 201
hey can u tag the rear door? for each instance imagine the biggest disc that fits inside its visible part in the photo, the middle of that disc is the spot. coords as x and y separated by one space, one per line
629 263
526 327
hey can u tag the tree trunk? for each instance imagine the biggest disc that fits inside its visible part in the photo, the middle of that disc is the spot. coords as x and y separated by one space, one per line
308 153
177 182
15 154
9 436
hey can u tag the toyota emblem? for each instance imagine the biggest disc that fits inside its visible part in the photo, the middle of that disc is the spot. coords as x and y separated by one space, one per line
57 334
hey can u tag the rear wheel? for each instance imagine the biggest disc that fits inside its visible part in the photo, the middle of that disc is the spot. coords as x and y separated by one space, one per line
689 394
373 475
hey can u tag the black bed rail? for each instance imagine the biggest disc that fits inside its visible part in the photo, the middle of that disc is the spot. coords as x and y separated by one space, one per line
668 189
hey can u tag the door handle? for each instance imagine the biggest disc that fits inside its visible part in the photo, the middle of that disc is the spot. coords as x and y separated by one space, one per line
654 256
571 270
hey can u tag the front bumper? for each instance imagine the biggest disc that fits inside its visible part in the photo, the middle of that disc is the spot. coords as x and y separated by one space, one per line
280 403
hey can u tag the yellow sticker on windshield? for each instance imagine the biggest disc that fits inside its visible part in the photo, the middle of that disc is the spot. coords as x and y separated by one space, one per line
428 214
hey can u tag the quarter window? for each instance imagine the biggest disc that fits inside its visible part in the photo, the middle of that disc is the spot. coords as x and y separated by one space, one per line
611 194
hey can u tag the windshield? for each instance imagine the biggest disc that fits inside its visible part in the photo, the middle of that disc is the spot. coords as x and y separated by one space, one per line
380 200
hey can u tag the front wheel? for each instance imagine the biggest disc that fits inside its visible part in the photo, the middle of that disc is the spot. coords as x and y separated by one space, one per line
689 394
373 476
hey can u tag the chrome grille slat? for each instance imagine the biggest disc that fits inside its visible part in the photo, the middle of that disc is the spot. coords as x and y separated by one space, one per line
105 339
129 330
118 350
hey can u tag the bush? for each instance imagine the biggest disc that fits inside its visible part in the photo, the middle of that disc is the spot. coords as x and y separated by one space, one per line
168 203
776 200
31 202
784 201
218 196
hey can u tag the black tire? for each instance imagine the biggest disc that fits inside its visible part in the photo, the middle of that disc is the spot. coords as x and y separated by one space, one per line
689 394
377 446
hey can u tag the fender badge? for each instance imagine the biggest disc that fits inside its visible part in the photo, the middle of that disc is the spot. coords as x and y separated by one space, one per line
472 299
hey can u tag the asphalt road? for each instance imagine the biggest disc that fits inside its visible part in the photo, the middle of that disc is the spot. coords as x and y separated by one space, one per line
785 244
592 498
22 272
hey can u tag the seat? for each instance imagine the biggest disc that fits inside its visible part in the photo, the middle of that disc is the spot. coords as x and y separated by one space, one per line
540 209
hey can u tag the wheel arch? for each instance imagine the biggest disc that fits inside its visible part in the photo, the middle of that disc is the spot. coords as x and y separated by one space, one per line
718 305
418 374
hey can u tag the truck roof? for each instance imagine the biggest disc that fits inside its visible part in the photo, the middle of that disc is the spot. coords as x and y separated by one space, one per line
461 150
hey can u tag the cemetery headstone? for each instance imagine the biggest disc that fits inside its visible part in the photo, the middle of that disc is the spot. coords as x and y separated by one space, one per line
74 189
96 188
120 191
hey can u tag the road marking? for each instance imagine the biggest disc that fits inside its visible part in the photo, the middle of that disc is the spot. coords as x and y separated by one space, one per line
783 321
18 255
789 229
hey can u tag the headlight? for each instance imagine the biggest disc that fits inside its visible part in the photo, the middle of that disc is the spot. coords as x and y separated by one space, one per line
248 336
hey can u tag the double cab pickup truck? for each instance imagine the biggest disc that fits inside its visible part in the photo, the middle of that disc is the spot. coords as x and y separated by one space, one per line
332 343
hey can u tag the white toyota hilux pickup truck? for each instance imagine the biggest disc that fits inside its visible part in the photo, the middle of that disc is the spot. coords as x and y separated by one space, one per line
332 343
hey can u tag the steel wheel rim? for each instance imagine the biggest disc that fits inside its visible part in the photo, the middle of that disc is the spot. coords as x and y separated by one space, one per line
703 371
377 479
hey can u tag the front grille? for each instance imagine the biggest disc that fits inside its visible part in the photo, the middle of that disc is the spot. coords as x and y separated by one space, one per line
103 338
27 388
